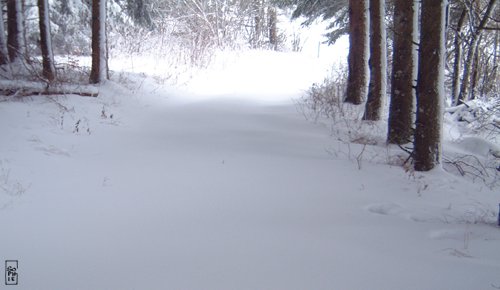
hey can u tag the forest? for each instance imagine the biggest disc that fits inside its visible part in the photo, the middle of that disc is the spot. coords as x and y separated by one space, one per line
250 144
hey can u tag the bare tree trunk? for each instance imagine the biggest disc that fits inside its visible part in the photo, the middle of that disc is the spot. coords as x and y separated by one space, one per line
457 64
469 63
15 40
358 52
403 72
99 69
258 25
4 54
378 62
430 86
49 70
273 27
475 70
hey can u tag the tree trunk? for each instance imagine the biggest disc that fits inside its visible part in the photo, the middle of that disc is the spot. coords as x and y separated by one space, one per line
4 54
378 62
49 70
475 70
430 86
403 72
358 50
15 40
469 63
99 70
258 25
273 27
457 64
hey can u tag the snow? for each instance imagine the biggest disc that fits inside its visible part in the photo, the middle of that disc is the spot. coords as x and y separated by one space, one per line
221 183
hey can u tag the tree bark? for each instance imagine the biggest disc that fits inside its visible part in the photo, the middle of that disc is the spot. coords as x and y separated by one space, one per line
99 70
358 50
4 54
430 86
457 63
377 63
475 70
273 27
403 73
15 29
49 70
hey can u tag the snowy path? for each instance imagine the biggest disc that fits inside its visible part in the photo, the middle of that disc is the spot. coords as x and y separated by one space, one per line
223 194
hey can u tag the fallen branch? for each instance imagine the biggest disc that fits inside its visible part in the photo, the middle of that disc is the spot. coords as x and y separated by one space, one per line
27 88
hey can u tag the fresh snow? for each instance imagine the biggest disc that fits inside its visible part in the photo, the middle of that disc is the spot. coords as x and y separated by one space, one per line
221 183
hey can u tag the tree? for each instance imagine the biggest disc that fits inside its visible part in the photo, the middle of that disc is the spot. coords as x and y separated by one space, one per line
377 62
273 27
469 62
430 85
457 63
49 70
15 39
403 72
98 72
4 54
358 48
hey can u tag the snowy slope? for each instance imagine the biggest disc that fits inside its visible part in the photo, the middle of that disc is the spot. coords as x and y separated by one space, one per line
210 188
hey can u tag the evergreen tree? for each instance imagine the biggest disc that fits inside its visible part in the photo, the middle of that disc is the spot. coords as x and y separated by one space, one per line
49 70
430 85
15 38
99 69
403 72
358 52
377 63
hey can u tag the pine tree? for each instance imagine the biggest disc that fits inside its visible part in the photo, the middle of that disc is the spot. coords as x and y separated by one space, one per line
15 38
377 63
49 70
358 48
430 85
99 69
403 72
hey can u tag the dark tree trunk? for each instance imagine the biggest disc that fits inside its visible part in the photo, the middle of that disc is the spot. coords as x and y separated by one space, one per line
99 68
430 86
4 54
403 73
457 63
357 60
273 28
475 70
49 71
14 29
377 63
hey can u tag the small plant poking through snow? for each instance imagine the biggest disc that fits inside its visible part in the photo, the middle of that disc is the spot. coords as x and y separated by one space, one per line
9 186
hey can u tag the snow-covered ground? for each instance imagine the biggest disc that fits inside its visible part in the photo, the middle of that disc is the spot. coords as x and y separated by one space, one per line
223 184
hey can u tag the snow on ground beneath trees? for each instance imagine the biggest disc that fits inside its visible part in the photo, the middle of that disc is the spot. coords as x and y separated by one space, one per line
223 184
